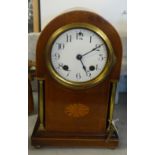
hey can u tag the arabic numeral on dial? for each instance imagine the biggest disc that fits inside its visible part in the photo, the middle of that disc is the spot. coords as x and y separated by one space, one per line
101 57
97 47
60 65
90 40
97 67
88 74
68 74
78 76
79 36
68 38
61 46
56 56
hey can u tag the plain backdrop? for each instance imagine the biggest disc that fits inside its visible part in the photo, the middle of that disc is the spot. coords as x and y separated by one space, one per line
13 79
115 11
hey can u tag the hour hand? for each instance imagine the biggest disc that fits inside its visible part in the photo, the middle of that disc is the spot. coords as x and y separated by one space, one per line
79 57
84 67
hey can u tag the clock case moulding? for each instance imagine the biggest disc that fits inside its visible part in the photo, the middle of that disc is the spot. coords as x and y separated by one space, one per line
94 130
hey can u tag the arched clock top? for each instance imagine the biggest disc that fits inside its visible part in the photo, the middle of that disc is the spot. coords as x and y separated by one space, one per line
75 17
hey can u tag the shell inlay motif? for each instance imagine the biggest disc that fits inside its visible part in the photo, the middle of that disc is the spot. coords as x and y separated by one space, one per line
77 110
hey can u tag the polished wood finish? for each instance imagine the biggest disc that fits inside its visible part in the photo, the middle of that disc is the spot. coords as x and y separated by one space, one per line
60 139
61 129
59 98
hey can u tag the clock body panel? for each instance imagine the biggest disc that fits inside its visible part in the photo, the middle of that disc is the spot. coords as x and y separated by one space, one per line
72 111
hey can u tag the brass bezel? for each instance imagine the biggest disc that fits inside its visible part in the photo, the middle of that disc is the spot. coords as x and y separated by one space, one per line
80 85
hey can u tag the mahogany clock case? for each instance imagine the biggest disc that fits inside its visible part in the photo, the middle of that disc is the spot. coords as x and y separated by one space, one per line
54 127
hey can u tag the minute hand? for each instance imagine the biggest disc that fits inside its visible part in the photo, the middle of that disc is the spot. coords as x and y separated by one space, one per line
92 50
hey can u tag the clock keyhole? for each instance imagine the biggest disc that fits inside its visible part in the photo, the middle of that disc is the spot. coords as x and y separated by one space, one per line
91 68
65 67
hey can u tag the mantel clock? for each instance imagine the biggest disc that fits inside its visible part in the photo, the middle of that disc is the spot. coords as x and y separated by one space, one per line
78 60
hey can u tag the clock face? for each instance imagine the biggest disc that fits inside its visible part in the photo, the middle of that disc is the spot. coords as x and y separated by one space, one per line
78 55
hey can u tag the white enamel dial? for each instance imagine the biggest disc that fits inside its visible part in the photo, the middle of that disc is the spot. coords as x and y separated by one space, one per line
79 55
